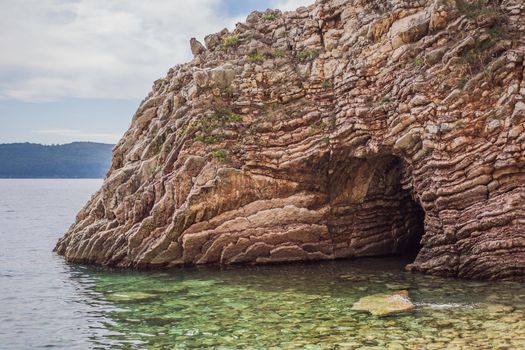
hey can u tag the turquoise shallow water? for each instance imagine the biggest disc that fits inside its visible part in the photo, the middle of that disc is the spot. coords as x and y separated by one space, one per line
306 306
47 303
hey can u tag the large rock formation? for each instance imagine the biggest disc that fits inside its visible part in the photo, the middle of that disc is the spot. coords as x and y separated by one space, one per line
339 130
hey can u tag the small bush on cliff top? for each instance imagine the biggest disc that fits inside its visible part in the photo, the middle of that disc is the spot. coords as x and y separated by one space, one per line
220 155
326 84
419 61
477 57
268 16
279 53
477 8
209 127
306 54
188 129
234 118
227 91
226 115
462 82
230 41
212 139
257 57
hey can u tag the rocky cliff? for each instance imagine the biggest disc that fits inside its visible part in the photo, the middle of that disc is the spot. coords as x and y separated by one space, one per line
348 128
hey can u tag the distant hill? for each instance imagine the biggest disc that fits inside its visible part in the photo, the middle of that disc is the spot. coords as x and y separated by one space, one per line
72 160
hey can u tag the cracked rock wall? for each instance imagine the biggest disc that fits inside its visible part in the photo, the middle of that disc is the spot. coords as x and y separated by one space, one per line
334 131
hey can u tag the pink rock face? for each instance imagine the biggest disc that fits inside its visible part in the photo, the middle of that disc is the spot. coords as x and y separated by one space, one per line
345 129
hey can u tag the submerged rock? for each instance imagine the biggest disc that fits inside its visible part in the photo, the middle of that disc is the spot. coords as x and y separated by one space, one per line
384 304
344 129
397 286
498 308
131 296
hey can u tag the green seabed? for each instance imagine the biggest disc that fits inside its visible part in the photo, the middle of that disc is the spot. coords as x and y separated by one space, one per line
304 306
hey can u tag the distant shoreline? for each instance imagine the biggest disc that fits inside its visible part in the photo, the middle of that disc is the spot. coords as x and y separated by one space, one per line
51 178
76 160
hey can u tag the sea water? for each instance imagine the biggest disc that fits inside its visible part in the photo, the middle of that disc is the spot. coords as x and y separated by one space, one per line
47 303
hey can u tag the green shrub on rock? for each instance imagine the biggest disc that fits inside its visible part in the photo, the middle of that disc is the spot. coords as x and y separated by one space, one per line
257 57
230 41
306 54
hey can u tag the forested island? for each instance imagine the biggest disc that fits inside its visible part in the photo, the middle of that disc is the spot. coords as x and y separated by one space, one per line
72 160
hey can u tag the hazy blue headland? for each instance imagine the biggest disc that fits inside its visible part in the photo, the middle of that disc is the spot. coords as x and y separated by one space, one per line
82 160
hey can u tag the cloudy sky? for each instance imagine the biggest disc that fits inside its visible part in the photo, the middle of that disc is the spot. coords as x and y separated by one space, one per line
76 70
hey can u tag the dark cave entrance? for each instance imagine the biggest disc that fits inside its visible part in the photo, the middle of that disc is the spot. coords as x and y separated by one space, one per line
410 243
373 211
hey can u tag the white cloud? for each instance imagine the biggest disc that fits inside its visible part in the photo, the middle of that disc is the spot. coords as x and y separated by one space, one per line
283 5
77 135
56 49
290 5
96 48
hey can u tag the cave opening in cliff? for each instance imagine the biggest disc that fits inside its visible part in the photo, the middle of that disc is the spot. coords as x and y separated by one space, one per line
373 211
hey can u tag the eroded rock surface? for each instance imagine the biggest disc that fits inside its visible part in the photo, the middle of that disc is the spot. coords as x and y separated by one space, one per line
385 304
338 130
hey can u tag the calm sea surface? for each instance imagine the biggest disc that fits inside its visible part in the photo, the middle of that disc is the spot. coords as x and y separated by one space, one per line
47 303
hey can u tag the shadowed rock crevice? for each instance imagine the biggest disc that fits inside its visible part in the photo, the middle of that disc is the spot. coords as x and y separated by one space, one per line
325 133
371 213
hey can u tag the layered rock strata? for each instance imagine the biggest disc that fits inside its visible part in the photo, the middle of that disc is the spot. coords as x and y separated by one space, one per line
345 129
